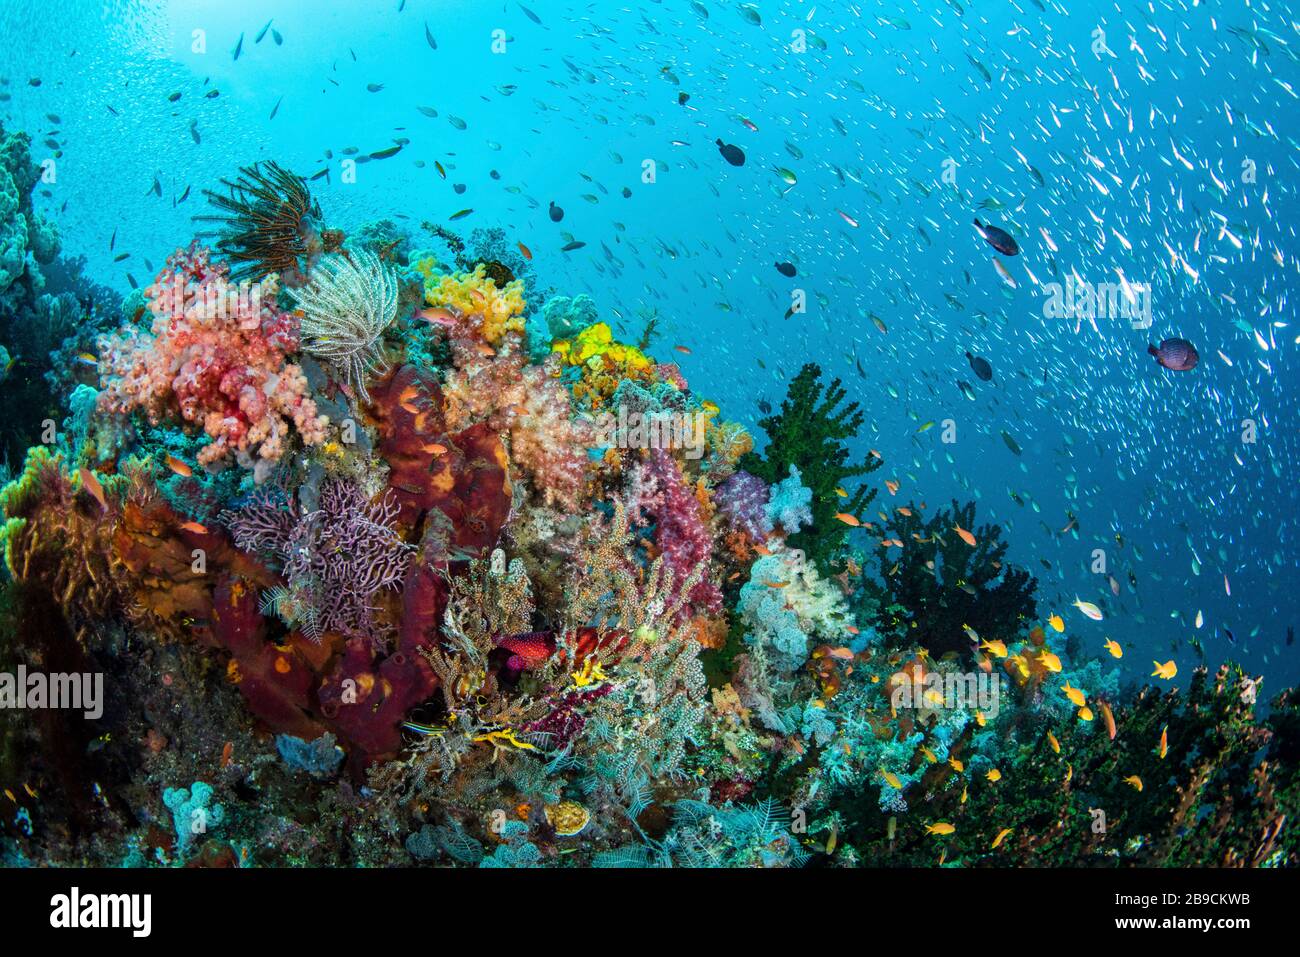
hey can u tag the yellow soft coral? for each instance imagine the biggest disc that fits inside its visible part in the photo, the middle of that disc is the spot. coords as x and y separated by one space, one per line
604 363
726 442
597 342
475 294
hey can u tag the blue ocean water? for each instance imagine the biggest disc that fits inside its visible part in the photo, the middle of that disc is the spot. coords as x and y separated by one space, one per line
1166 153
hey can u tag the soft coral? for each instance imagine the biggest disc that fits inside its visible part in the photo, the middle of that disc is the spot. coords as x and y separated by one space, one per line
218 357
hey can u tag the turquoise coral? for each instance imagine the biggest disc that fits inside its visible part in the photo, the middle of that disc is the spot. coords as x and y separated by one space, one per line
193 813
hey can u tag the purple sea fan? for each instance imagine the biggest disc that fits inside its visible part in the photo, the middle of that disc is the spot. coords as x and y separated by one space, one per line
742 505
336 557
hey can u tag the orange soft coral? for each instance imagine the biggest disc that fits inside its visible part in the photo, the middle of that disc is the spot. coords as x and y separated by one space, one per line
530 406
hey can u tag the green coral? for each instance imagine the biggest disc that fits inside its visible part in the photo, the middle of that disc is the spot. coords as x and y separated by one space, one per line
810 433
21 496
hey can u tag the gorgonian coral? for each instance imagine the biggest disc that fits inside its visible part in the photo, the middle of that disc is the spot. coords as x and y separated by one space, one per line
336 557
349 302
269 223
217 358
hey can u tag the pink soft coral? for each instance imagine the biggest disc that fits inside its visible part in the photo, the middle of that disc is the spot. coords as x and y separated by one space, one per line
529 405
217 357
658 490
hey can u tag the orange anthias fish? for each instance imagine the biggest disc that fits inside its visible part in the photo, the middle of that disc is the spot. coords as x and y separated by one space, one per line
179 467
683 350
91 485
892 486
195 527
998 648
1135 781
1074 694
407 399
438 316
1109 718
943 827
964 535
525 251
1164 742
847 519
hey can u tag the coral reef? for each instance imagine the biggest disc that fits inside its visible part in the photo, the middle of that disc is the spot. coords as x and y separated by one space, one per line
50 312
27 240
475 300
601 364
496 589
